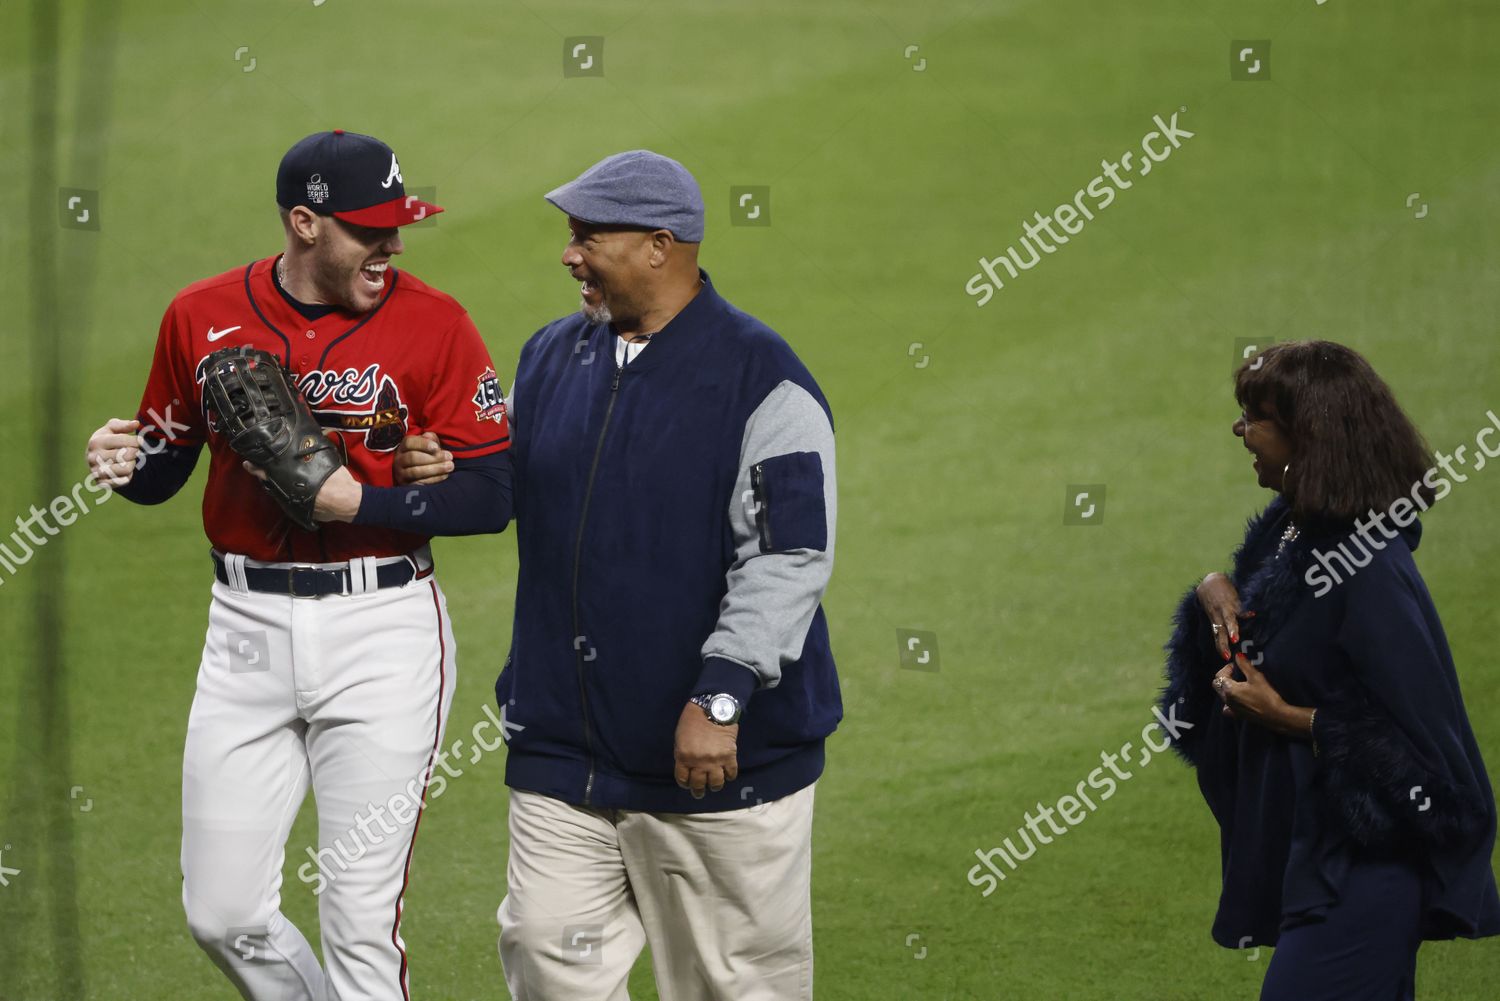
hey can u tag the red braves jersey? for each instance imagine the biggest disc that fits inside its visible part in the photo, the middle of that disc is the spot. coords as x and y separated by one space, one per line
414 363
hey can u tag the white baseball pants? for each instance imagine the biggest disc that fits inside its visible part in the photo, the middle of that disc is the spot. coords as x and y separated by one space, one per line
724 899
348 695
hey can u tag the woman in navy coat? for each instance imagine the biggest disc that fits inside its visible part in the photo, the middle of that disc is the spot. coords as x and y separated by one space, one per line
1329 734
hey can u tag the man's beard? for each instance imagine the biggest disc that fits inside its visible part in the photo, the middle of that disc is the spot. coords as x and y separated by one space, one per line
334 284
596 314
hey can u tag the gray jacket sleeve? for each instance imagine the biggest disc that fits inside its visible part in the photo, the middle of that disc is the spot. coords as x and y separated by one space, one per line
783 514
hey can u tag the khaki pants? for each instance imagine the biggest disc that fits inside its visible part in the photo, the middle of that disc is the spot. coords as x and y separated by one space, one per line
724 899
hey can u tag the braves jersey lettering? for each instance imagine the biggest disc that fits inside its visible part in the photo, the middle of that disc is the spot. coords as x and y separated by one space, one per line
415 363
347 386
384 425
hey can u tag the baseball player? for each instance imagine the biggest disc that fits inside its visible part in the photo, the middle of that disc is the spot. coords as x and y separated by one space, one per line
329 658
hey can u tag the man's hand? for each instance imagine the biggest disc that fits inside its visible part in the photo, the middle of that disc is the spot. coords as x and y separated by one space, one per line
422 460
338 498
112 452
1254 699
1221 603
705 752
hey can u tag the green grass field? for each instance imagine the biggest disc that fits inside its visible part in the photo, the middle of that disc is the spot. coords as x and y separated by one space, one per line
891 171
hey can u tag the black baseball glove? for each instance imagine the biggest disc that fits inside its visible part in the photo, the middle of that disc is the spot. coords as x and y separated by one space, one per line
252 401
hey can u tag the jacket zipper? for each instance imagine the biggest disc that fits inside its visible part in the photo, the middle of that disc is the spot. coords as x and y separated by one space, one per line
583 517
762 518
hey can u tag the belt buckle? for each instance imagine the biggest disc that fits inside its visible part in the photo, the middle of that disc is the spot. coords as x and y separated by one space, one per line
302 581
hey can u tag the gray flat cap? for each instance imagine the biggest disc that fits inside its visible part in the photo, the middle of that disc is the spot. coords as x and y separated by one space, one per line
638 188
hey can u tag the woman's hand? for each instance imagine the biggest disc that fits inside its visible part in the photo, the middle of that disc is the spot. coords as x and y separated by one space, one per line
1254 699
1221 603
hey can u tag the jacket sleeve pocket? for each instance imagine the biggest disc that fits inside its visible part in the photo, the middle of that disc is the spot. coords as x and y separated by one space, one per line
790 512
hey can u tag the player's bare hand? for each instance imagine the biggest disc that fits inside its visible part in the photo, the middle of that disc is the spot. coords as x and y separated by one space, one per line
1221 603
112 452
422 460
338 498
706 753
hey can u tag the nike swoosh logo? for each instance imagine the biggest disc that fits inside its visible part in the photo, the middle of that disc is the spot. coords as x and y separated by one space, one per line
214 335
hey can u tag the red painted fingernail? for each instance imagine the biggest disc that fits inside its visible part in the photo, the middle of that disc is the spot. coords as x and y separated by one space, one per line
1225 653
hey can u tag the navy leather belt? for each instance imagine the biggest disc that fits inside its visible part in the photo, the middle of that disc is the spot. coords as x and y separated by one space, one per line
313 582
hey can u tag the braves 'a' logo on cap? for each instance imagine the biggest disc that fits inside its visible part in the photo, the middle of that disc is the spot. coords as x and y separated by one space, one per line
317 189
489 402
394 175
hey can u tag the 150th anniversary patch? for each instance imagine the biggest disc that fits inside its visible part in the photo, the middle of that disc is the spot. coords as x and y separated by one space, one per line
489 402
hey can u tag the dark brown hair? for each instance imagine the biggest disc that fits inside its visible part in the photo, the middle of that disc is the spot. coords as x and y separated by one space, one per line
1353 447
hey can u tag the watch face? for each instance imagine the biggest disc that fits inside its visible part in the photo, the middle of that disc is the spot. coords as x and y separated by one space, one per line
723 708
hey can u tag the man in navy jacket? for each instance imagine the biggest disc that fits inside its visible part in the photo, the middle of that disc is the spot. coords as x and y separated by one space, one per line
670 681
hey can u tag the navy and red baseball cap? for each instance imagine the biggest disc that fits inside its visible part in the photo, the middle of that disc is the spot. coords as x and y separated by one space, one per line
351 177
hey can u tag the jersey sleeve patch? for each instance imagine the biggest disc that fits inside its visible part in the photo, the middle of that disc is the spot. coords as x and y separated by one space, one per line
489 401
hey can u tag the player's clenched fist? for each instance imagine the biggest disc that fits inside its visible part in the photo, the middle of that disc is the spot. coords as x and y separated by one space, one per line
422 460
112 452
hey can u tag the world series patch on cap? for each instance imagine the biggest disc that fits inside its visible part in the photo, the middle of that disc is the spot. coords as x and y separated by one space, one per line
351 177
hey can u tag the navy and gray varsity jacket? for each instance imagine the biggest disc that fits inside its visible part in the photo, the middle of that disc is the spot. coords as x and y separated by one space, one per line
675 524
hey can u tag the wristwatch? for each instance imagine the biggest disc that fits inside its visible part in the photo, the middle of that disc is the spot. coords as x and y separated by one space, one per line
721 709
